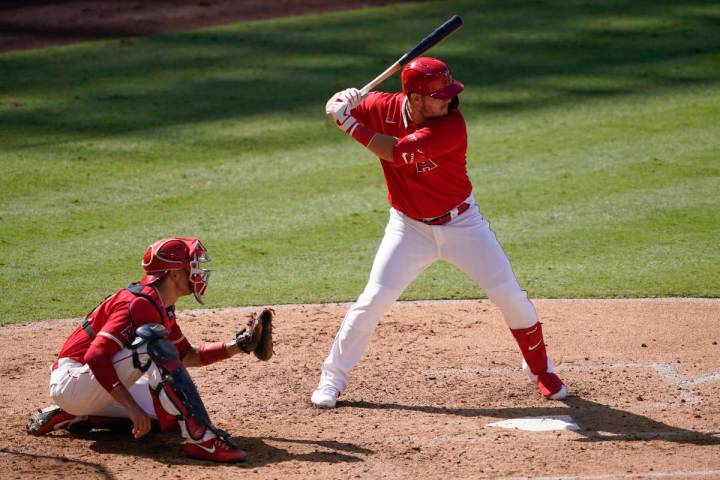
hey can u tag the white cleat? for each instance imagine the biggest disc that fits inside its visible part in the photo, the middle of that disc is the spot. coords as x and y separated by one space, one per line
549 384
560 394
325 397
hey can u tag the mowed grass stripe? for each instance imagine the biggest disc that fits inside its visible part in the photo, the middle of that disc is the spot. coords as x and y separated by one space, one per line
593 149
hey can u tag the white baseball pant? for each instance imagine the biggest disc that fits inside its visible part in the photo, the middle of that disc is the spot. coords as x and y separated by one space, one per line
407 249
74 388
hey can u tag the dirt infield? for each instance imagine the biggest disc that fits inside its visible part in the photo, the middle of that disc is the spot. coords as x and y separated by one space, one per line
644 377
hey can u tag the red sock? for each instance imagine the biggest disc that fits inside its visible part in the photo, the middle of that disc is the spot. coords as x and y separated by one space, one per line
531 343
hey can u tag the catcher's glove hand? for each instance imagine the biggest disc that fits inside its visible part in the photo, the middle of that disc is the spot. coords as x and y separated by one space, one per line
256 334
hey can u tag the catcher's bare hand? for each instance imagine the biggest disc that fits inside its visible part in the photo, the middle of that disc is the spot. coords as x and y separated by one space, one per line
256 335
141 421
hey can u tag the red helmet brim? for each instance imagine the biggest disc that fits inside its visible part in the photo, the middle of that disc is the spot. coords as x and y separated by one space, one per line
448 92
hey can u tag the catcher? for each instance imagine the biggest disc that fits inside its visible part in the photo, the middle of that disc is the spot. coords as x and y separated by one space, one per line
125 364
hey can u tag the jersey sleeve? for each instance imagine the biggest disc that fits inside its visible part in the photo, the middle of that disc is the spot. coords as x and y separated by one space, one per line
114 335
101 364
430 142
178 339
363 111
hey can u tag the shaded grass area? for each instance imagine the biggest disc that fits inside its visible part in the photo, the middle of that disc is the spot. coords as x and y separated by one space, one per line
594 147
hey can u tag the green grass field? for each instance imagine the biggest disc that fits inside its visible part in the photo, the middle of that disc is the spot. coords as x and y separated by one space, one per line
594 150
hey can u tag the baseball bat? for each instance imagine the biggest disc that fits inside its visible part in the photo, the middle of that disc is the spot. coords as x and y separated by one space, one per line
437 36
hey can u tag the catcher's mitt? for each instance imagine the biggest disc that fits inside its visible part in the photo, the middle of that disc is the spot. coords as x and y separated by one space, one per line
256 335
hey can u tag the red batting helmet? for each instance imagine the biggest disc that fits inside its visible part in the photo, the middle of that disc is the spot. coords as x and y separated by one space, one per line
177 253
430 76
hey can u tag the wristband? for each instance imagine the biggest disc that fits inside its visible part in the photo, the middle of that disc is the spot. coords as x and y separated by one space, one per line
213 352
362 134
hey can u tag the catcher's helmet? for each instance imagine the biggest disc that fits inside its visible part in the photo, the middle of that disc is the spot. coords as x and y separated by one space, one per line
177 253
430 76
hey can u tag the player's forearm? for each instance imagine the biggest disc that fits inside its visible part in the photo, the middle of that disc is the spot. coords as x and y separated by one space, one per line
382 146
122 396
141 420
209 353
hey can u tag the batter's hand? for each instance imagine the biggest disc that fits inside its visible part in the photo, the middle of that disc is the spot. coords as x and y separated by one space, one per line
353 96
350 95
338 110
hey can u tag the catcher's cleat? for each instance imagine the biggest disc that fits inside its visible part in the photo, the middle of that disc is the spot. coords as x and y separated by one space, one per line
53 418
325 396
549 384
215 450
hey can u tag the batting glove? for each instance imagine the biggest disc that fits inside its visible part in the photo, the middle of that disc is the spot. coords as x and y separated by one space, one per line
338 108
353 96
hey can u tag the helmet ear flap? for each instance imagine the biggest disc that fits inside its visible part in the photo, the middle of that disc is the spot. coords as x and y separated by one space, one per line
454 103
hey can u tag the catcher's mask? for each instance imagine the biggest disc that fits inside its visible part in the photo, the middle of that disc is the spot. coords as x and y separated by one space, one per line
430 76
177 253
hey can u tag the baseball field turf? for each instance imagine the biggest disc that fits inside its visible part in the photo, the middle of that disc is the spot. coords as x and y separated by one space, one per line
594 150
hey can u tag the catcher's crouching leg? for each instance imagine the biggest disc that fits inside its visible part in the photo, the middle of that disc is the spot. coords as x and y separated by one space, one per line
176 398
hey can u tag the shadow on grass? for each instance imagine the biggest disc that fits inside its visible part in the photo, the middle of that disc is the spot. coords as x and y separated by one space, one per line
597 422
548 48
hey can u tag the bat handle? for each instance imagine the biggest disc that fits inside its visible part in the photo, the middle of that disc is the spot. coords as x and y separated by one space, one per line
380 78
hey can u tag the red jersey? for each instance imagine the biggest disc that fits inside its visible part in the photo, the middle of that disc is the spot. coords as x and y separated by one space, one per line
428 175
113 324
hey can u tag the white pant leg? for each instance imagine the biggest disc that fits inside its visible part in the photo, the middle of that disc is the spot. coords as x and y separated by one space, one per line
74 388
140 391
468 243
407 249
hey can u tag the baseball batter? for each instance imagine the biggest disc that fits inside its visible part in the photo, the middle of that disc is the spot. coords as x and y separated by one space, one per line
420 138
126 363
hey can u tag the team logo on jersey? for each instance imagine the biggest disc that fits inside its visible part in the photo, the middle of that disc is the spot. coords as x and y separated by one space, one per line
408 157
127 331
425 166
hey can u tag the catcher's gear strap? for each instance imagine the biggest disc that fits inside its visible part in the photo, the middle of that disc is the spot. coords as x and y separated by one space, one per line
134 288
137 290
212 352
85 324
147 334
176 382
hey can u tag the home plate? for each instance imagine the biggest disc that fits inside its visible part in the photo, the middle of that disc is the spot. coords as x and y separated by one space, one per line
538 424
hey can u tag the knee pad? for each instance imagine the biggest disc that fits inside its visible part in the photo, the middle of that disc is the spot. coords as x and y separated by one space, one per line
146 335
176 390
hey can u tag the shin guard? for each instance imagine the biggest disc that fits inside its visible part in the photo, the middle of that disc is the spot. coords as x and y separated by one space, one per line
176 393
